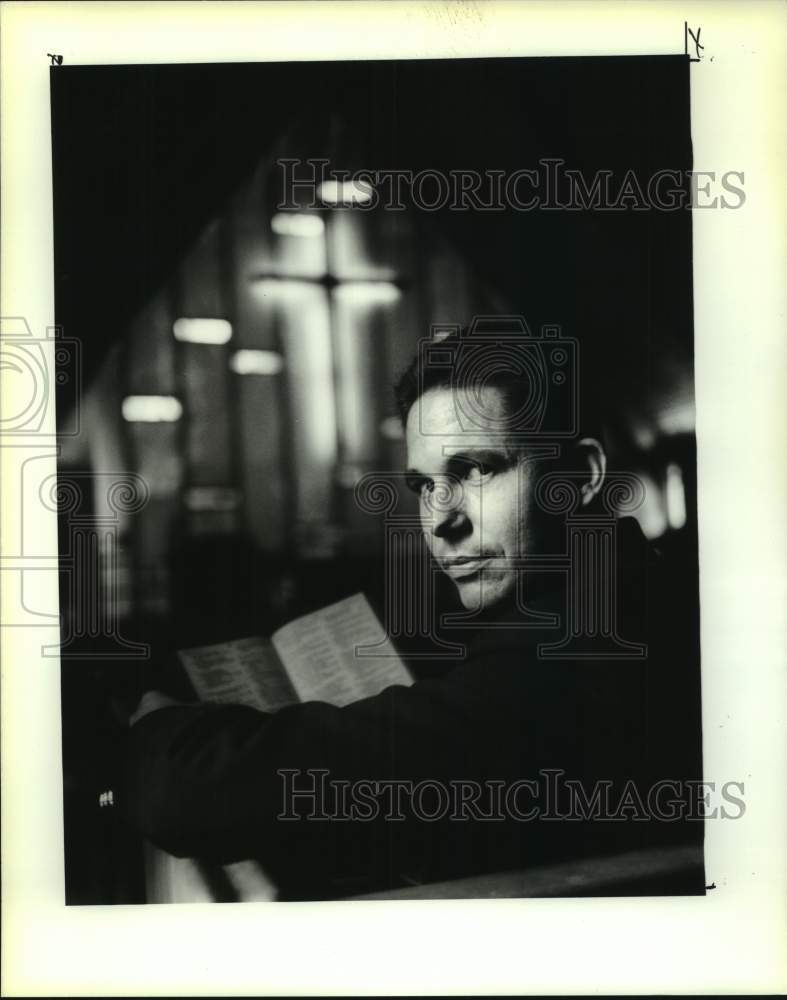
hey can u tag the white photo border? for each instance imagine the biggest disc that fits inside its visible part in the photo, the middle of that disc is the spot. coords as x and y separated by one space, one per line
731 940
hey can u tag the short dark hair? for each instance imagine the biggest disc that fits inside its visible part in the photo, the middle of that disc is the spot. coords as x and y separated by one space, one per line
430 370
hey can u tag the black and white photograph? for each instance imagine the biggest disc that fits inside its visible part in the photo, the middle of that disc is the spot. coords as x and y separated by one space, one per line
372 472
379 525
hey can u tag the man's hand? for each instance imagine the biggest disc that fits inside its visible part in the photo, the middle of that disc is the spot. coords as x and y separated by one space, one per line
151 701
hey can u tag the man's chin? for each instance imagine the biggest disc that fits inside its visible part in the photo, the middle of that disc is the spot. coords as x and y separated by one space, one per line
479 594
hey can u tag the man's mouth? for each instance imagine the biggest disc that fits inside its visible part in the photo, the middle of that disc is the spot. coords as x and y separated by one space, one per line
465 566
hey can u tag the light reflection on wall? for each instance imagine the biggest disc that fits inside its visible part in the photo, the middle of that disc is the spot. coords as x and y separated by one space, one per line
651 515
363 312
151 409
299 246
367 245
202 331
253 362
301 224
675 497
345 193
300 312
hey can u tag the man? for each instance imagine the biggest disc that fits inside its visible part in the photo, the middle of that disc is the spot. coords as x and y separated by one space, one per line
540 745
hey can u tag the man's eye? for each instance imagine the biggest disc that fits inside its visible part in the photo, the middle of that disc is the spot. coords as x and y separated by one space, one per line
477 472
420 485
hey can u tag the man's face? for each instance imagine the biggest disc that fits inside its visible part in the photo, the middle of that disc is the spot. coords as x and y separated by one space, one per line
475 493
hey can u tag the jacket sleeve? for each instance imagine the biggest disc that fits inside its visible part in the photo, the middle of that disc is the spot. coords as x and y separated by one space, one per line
209 780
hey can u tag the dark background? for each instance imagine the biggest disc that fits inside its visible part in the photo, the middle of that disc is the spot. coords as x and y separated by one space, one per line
146 161
145 155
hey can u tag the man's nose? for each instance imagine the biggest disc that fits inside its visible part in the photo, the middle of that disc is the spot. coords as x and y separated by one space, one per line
447 508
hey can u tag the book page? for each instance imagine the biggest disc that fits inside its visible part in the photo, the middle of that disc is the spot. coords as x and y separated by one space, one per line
245 671
320 652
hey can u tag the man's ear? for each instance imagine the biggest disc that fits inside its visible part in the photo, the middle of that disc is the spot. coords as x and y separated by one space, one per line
593 458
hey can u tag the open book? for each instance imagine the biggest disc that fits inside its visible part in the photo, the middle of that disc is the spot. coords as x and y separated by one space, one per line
338 654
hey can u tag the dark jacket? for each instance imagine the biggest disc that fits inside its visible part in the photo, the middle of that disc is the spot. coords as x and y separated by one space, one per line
205 780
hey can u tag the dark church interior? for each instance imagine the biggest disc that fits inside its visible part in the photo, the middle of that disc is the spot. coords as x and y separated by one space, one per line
235 360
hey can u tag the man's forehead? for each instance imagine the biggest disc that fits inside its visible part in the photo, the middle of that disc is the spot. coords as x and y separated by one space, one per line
455 410
446 420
